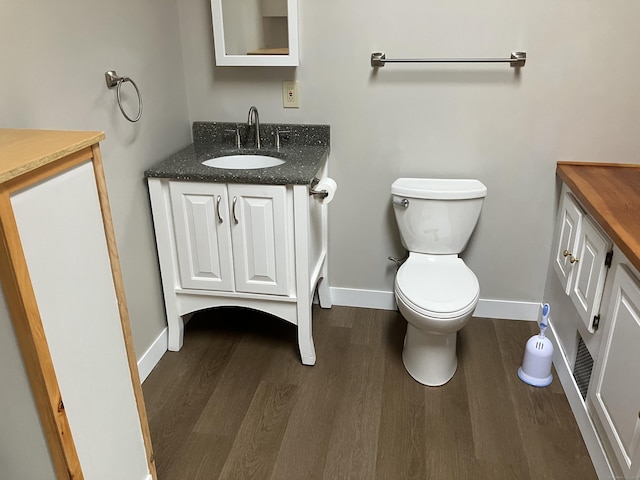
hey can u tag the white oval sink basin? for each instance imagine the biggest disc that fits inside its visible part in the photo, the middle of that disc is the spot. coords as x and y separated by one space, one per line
243 162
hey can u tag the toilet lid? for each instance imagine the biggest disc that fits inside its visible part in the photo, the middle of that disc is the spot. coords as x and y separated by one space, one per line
438 285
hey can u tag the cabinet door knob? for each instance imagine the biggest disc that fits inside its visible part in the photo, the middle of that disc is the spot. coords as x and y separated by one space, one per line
573 259
566 253
218 199
235 218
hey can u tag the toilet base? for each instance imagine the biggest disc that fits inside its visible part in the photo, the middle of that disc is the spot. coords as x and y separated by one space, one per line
430 359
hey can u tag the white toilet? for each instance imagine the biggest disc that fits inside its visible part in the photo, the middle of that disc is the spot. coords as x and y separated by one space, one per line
434 289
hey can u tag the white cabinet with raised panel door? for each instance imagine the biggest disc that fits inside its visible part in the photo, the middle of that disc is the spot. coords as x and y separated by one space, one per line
594 291
232 237
581 258
614 393
257 246
63 288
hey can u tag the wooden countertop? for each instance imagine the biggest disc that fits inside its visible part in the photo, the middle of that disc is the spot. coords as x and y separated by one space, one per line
24 150
611 194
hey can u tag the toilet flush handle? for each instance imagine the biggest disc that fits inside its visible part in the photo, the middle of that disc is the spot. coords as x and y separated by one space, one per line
399 261
404 203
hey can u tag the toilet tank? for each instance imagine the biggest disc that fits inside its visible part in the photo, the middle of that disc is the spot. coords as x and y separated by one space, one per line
440 215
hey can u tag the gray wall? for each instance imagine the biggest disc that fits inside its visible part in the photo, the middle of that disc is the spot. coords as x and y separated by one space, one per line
53 63
53 58
576 98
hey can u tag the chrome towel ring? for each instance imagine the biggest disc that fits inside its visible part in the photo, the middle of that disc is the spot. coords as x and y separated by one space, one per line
113 80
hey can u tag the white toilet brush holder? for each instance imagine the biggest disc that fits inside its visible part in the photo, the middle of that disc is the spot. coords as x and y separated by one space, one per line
538 356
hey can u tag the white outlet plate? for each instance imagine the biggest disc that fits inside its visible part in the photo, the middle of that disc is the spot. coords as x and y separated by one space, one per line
290 94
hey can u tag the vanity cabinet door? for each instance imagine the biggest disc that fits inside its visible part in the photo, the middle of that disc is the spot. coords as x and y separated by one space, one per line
260 238
580 259
202 232
615 391
590 271
569 220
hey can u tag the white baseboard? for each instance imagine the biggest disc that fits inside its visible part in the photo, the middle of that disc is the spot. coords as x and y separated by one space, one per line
377 299
501 309
507 309
352 297
579 409
152 356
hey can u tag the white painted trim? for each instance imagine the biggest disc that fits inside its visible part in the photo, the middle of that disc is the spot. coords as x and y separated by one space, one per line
152 356
507 309
353 297
381 300
579 409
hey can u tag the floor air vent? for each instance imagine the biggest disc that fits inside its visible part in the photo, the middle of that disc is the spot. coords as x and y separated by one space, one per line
582 368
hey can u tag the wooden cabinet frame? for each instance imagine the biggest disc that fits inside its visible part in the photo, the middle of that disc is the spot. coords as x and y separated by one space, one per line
29 158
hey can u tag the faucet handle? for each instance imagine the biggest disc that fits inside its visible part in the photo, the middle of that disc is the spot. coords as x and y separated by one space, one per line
278 133
237 132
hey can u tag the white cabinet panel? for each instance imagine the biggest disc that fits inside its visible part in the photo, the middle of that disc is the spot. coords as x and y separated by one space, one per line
259 234
231 237
64 243
202 235
567 229
580 259
590 271
616 393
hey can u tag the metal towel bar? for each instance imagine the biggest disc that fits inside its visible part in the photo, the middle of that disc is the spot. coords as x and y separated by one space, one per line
517 59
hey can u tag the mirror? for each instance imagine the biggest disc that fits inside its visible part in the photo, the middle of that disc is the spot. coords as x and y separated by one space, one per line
255 32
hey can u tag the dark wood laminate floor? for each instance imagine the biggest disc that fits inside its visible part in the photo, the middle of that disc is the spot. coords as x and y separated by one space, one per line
236 403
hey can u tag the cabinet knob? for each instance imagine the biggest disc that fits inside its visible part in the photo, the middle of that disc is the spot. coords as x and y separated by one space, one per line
573 259
566 253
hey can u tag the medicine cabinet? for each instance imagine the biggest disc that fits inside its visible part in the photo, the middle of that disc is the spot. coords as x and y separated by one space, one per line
255 32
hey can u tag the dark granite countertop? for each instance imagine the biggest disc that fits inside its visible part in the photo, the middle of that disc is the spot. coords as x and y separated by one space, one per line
305 149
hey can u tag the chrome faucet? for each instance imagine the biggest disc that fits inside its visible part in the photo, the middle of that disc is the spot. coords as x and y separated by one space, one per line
254 118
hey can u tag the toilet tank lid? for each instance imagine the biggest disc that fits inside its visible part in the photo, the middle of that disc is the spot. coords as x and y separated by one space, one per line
439 188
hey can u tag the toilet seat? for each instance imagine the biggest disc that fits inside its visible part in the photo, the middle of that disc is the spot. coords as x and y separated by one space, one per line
439 286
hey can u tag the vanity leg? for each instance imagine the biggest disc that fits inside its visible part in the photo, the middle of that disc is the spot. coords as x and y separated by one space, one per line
305 335
163 226
304 288
175 332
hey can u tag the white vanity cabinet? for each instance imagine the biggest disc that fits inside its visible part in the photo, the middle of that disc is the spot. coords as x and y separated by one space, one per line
614 393
231 244
582 256
232 237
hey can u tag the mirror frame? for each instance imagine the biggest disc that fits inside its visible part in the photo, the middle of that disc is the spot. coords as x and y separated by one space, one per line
223 59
